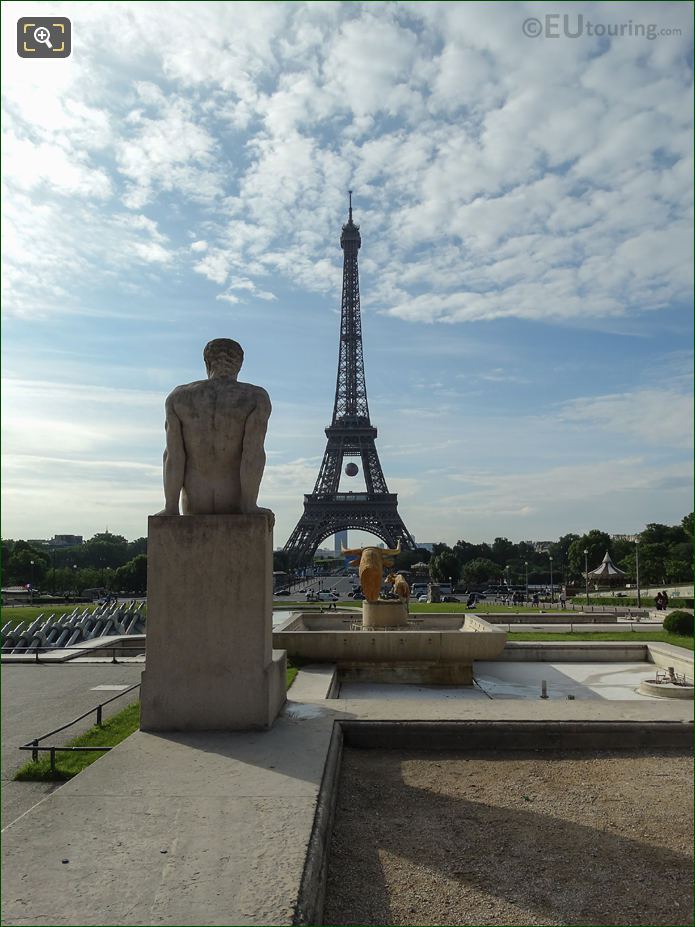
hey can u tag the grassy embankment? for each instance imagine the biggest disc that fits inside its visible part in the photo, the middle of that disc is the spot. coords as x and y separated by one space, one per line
662 637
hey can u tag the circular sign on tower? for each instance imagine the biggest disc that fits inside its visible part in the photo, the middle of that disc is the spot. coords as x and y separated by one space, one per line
352 469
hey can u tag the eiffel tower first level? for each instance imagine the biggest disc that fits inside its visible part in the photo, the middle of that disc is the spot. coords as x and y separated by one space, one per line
350 434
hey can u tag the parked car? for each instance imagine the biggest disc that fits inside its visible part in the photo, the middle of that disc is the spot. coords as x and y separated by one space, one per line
449 598
283 592
326 596
422 598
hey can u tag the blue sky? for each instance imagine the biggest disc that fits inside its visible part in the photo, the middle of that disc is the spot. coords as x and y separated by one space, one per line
525 207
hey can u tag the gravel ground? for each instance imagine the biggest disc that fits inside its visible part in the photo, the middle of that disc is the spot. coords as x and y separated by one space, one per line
512 838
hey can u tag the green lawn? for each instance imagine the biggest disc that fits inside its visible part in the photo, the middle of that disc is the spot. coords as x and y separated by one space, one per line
111 732
628 636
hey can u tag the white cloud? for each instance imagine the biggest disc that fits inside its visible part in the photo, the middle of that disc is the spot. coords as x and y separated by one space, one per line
661 417
170 151
483 193
48 258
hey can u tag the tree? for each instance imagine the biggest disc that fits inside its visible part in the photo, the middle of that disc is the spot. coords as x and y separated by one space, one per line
621 549
652 563
677 571
138 546
480 571
19 566
103 550
656 533
445 567
596 542
439 548
132 576
687 525
502 550
406 558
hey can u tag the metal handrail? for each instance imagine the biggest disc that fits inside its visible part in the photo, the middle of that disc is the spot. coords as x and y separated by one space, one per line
33 745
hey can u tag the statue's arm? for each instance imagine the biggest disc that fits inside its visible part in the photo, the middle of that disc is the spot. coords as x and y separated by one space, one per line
174 461
253 456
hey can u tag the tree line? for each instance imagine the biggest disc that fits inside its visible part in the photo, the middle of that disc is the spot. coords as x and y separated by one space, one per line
106 561
665 557
112 562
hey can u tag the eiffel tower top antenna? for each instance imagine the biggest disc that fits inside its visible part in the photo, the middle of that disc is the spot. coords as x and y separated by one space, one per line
350 210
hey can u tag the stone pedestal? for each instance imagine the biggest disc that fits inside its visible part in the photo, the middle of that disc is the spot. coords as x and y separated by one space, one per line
209 658
384 614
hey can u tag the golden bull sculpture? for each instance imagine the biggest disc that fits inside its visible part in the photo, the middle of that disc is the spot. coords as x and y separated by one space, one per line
371 562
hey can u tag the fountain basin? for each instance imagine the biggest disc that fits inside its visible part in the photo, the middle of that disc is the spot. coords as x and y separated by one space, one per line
665 689
431 649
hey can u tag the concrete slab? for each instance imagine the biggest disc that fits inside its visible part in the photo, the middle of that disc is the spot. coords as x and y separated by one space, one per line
315 682
494 680
387 692
173 829
644 710
582 680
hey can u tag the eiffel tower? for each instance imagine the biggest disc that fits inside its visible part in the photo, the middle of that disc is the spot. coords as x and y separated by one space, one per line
350 434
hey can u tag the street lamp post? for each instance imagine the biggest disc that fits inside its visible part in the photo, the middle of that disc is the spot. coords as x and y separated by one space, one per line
31 586
586 573
551 580
526 575
639 595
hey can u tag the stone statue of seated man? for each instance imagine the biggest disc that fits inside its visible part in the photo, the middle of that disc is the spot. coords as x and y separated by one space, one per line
215 429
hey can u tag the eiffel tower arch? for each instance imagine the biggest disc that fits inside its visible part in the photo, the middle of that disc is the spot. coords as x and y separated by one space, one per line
350 435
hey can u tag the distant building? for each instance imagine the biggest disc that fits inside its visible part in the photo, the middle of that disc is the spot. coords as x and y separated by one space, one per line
66 540
59 540
624 537
540 546
341 540
426 545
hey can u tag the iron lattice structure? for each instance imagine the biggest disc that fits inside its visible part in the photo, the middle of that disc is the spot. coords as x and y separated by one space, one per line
350 434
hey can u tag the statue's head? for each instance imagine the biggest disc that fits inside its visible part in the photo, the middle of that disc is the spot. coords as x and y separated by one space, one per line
223 357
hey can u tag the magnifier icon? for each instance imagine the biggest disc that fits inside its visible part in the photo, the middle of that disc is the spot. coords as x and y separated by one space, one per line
43 36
